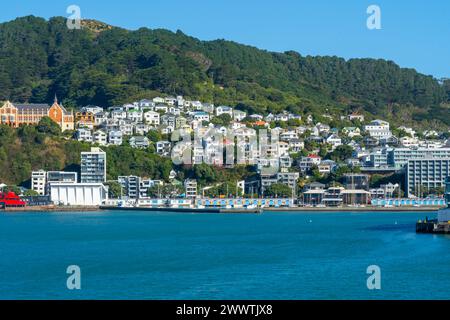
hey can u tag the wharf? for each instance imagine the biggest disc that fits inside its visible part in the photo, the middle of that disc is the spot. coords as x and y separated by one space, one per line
432 226
185 210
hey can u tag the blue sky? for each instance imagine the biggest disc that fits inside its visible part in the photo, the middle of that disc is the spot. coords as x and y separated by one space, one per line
415 33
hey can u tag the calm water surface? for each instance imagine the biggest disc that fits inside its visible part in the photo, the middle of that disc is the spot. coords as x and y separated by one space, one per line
137 255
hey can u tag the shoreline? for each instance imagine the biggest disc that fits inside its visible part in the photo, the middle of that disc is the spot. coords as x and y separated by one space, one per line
37 209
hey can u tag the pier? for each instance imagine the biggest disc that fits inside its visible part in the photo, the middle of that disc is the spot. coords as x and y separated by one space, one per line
433 226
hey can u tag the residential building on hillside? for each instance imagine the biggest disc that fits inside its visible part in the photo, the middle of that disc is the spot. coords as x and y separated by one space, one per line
378 129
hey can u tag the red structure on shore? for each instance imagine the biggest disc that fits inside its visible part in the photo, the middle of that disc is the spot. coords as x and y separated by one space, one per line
10 199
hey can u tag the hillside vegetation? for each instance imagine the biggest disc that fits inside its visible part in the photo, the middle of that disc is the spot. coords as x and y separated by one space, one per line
105 66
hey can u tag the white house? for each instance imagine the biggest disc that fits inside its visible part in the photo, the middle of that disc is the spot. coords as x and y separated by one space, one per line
100 118
239 115
158 100
152 118
134 115
100 137
224 110
139 142
84 134
351 131
334 140
200 116
115 137
141 129
409 142
378 129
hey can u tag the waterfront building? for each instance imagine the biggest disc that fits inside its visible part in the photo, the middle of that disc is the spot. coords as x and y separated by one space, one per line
355 197
398 157
333 197
423 175
190 186
16 114
354 181
130 186
313 193
38 180
78 194
93 166
384 191
41 179
62 176
288 178
377 193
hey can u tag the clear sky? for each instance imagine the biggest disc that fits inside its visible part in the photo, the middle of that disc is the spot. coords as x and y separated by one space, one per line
415 33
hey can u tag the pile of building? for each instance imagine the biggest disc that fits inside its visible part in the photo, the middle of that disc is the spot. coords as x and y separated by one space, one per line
424 161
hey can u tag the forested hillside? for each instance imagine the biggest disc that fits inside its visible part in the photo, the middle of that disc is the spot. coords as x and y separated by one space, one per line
105 65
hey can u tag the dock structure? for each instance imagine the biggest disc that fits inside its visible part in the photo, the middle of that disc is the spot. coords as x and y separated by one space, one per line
441 225
433 226
186 210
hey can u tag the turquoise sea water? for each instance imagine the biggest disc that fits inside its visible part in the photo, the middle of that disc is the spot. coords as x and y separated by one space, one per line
138 255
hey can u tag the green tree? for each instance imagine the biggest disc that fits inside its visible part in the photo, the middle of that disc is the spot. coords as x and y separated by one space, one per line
114 189
48 126
278 190
223 120
341 153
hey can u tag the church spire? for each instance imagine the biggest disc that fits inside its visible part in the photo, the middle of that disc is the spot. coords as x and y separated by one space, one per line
56 99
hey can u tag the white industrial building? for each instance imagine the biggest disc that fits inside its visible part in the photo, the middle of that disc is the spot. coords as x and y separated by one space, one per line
78 194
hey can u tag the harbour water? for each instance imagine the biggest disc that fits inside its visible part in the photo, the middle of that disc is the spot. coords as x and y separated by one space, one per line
276 255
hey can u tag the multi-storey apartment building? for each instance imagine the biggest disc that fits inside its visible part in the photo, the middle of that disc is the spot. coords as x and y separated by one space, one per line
425 174
38 180
398 157
93 166
190 186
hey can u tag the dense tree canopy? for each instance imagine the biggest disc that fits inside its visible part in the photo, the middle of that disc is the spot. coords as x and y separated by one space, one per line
107 65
